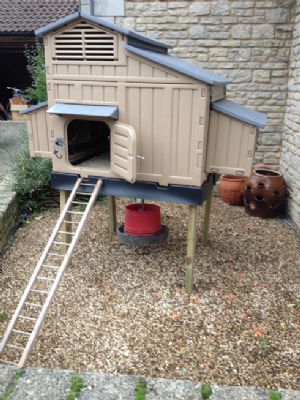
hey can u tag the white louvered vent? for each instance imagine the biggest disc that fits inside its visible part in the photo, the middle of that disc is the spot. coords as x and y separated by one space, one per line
84 42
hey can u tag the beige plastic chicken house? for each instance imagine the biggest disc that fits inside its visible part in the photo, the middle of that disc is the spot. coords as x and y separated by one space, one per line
119 107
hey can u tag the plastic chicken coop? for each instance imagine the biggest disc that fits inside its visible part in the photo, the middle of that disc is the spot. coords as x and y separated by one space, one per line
120 108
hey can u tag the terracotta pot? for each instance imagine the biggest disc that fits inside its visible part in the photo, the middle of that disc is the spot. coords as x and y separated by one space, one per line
231 188
264 193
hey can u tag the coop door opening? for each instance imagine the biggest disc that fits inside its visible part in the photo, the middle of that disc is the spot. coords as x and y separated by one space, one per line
89 144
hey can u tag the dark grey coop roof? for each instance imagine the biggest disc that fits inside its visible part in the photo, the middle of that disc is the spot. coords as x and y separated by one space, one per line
18 16
83 110
239 112
146 47
136 37
180 65
33 108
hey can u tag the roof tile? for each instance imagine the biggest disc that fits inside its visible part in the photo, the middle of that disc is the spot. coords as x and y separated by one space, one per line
28 15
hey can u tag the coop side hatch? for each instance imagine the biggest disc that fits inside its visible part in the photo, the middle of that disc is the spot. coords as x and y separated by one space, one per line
38 127
232 138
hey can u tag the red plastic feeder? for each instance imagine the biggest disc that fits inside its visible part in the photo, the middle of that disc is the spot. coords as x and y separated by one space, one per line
142 225
142 219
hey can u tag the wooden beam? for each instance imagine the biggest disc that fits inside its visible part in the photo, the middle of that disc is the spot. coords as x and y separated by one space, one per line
207 216
112 214
191 247
63 198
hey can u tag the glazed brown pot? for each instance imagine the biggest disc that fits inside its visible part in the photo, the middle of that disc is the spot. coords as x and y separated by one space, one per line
231 189
264 193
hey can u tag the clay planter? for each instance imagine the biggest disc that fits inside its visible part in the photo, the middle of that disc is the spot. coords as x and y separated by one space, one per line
231 188
264 193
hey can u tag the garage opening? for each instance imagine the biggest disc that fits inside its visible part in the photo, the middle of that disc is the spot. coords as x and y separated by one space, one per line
89 144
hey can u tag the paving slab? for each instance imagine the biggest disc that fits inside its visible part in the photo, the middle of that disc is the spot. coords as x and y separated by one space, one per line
108 387
12 138
6 376
43 384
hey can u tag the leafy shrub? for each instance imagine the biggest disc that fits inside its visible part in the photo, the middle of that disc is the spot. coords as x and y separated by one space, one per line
36 67
31 179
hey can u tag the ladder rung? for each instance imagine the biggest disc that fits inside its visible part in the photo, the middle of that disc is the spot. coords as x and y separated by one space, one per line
56 255
75 212
39 291
87 184
13 346
43 278
21 332
79 202
51 266
70 222
28 318
84 194
8 362
33 304
66 244
65 232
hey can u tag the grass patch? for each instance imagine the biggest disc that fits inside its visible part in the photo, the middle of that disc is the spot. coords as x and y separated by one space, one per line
206 391
275 395
141 389
77 384
3 315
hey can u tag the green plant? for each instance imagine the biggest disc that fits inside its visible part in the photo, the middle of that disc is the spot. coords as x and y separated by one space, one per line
77 384
141 389
206 391
31 179
3 315
264 345
36 67
296 303
275 395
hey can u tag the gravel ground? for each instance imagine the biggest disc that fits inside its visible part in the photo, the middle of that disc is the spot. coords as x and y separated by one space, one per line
121 309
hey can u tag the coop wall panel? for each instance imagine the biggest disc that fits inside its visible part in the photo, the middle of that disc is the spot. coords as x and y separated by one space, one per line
231 144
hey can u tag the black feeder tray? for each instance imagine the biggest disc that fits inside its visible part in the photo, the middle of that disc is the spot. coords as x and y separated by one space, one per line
142 241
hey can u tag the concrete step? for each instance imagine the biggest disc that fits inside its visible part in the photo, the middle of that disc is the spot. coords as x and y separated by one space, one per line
43 384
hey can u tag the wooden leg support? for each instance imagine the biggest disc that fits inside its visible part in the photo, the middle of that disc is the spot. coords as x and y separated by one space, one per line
63 198
207 217
112 214
191 246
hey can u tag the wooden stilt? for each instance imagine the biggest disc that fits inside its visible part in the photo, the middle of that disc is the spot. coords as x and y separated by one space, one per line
207 217
112 214
63 198
191 246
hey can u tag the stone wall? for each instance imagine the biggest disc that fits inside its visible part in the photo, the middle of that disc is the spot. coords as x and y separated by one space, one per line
8 216
290 160
248 41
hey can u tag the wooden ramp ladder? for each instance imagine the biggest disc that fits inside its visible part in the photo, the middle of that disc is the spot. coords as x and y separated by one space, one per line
34 304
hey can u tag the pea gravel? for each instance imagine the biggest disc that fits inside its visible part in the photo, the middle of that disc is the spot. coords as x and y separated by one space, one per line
122 310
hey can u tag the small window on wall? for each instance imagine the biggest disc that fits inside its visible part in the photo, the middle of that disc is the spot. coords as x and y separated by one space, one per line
89 144
84 42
